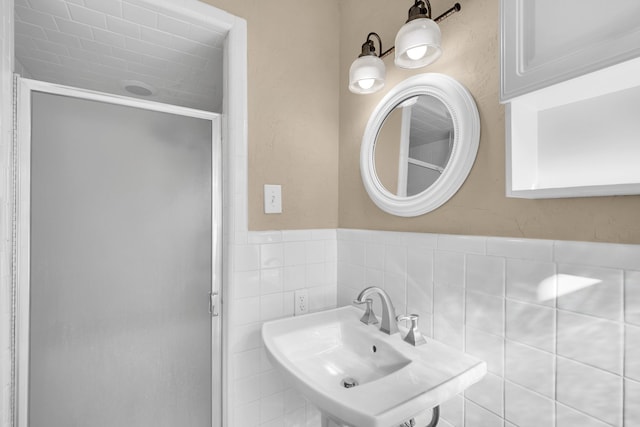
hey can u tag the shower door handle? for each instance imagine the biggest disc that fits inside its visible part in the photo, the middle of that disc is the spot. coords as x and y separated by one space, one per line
213 299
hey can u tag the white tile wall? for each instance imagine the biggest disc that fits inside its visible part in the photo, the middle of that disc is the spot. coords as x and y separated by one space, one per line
485 274
632 355
269 267
531 324
568 417
487 347
452 411
448 314
478 416
526 408
590 390
632 297
557 322
582 338
537 374
591 290
488 393
485 312
632 408
523 279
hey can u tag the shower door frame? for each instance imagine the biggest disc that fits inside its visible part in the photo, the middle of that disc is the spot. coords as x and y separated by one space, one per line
24 88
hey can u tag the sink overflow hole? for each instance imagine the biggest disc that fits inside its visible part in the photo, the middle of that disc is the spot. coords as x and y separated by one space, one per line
349 382
374 349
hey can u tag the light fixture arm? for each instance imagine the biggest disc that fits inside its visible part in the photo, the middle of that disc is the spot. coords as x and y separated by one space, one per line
420 9
368 48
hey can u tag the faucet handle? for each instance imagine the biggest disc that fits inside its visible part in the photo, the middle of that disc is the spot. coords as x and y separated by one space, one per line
414 336
369 317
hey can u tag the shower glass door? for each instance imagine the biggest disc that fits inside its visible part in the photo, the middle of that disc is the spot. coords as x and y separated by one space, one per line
123 253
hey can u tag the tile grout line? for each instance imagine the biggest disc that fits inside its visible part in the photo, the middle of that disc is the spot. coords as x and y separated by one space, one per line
464 327
433 294
624 347
555 344
504 341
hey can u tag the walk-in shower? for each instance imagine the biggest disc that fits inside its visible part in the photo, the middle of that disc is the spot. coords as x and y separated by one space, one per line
120 221
91 55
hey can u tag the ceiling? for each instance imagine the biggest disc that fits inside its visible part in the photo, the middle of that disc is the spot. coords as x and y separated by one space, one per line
430 121
101 44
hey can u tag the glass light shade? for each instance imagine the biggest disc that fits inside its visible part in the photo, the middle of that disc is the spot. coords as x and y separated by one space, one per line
418 43
366 75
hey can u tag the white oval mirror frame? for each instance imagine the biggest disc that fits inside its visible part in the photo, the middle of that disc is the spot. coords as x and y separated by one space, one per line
466 125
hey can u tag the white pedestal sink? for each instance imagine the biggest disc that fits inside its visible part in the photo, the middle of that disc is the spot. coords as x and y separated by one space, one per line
361 377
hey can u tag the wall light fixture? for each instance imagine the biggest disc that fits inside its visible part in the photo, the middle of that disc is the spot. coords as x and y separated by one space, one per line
417 45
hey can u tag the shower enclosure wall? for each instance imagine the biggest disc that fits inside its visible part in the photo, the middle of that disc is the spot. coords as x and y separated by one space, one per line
119 228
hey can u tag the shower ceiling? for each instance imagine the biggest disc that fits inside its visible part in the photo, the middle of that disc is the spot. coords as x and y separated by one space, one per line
99 44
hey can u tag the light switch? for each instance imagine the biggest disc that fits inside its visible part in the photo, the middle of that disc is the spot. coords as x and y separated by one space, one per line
272 199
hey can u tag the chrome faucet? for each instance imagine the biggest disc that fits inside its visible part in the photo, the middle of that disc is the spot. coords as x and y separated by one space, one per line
388 323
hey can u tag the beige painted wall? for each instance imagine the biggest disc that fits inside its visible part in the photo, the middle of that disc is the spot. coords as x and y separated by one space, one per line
305 127
471 55
293 94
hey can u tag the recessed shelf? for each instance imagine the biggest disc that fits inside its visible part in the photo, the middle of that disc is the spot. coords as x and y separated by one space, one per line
577 138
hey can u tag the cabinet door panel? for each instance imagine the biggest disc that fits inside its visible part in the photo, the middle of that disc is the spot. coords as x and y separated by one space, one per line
545 42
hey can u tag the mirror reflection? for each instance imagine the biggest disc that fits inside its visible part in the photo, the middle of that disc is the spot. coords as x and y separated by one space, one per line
414 145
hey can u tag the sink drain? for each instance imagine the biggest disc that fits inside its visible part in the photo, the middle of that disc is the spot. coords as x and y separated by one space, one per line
349 382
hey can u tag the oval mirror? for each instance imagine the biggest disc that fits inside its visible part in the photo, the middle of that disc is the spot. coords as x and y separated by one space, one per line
419 133
419 144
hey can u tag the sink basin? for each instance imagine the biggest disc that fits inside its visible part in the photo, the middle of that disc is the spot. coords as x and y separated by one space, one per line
359 376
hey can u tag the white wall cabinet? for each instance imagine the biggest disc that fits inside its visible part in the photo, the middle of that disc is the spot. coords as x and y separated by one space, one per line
570 76
545 42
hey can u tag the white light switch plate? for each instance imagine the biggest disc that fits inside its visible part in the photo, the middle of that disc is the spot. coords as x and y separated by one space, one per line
272 199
